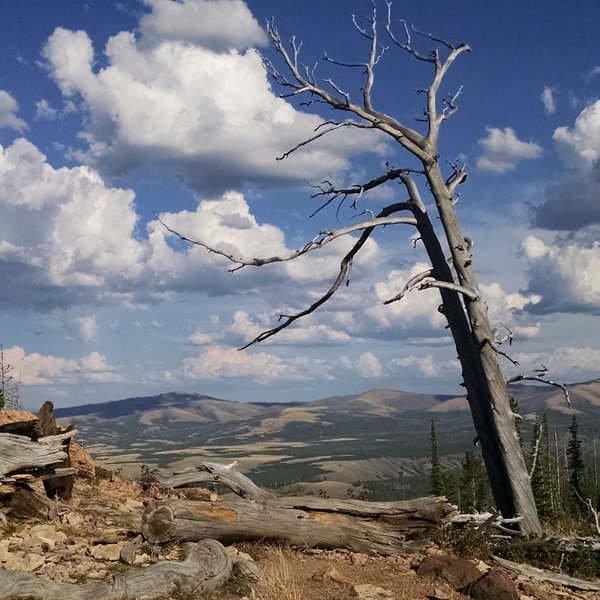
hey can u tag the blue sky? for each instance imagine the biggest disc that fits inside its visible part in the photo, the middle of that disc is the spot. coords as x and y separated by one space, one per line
113 111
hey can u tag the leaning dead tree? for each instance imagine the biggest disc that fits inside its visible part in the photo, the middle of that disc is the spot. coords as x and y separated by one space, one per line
449 251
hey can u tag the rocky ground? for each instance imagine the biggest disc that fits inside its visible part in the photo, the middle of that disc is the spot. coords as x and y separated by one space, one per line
94 537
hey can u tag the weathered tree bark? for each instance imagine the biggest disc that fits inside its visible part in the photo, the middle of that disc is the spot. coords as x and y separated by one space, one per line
205 567
474 340
18 452
385 528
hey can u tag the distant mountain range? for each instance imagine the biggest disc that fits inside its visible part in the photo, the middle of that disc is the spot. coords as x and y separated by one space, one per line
372 436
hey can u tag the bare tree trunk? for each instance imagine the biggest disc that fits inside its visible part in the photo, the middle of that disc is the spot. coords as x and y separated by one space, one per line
486 387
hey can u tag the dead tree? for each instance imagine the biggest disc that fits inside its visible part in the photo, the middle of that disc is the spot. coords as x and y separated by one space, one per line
451 269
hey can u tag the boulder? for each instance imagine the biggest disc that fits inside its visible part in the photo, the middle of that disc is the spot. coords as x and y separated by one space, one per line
458 573
495 585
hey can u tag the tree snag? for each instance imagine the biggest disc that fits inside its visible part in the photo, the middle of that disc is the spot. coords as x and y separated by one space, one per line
449 253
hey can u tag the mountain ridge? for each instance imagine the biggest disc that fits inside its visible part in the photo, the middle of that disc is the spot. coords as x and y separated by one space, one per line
378 435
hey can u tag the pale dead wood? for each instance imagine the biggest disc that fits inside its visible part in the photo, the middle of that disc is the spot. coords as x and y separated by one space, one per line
486 519
385 528
205 567
323 238
541 379
226 475
547 576
18 452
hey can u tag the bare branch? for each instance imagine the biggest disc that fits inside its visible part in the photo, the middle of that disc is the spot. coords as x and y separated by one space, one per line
326 188
438 40
410 284
324 237
345 266
450 106
493 345
435 120
356 189
406 45
412 189
507 337
441 67
332 127
562 386
408 138
459 175
471 294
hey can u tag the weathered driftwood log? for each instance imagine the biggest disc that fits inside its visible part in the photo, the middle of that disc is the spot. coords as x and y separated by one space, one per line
227 475
371 527
18 452
205 567
547 576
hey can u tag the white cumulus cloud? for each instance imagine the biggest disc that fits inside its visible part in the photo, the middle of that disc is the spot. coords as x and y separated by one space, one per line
564 274
8 113
580 144
208 115
547 97
502 150
40 369
368 366
219 362
217 24
44 112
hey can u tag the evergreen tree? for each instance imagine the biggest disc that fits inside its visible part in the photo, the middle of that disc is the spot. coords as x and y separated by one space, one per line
575 467
437 480
474 486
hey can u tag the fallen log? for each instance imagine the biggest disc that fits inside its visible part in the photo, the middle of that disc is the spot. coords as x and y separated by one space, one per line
18 452
205 567
385 528
547 576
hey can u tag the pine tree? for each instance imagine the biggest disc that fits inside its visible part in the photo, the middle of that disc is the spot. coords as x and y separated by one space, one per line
575 466
437 479
474 486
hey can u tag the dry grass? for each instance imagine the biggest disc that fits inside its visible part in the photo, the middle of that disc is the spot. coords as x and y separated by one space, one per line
279 582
